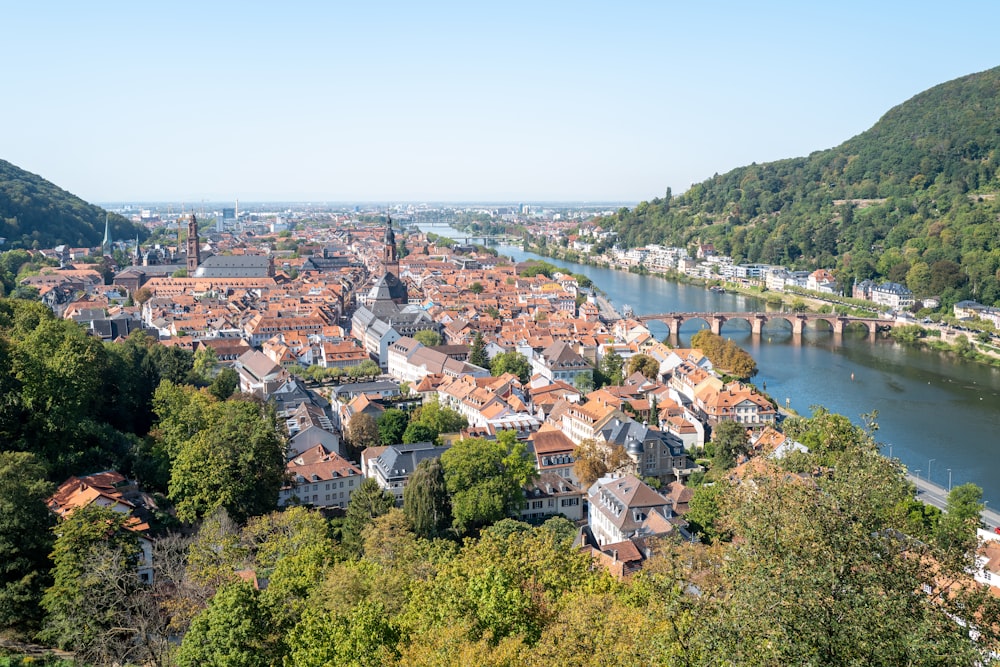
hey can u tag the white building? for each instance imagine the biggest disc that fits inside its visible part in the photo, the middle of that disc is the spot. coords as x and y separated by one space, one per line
392 466
551 495
622 508
321 479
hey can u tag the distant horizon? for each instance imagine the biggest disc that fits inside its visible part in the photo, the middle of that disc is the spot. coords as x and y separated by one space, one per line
368 203
433 102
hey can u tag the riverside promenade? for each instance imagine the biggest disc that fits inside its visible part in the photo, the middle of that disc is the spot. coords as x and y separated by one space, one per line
935 495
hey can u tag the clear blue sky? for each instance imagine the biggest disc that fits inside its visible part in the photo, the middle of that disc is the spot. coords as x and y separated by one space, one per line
434 101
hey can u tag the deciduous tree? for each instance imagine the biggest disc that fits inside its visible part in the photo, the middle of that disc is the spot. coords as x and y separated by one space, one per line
593 460
425 500
231 632
391 426
731 441
645 364
91 542
428 337
485 479
25 539
511 362
362 432
236 461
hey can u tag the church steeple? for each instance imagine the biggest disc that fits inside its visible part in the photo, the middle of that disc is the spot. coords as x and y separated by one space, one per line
193 246
106 243
389 252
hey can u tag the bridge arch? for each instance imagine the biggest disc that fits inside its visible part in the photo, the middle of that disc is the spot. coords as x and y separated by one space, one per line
757 321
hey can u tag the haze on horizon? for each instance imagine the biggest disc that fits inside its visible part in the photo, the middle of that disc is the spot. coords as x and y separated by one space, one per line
400 102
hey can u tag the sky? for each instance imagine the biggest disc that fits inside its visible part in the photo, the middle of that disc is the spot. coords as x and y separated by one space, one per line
466 101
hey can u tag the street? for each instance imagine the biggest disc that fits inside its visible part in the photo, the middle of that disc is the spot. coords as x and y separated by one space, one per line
935 495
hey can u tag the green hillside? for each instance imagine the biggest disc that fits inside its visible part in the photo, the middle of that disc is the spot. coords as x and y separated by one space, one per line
911 200
34 210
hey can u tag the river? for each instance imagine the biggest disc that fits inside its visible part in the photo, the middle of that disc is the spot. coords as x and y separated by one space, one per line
935 412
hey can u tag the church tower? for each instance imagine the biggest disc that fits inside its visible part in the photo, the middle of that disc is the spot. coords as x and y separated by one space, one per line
193 247
106 243
389 256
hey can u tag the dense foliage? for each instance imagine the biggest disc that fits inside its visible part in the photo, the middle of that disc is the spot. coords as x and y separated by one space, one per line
910 200
804 569
37 213
725 355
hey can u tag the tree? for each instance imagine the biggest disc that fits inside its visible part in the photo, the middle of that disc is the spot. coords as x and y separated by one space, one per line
439 418
365 637
205 363
593 460
425 500
476 287
362 431
226 382
611 366
485 479
511 362
725 354
704 511
731 442
366 368
477 352
25 539
428 337
231 632
367 502
417 432
90 542
814 578
142 295
235 461
391 426
645 364
956 530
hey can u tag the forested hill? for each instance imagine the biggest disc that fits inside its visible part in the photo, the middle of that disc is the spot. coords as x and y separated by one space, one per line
34 209
911 200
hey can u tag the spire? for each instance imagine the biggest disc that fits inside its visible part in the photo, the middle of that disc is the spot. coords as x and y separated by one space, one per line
106 243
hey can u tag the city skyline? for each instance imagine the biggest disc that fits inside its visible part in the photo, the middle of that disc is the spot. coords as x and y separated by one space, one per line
447 102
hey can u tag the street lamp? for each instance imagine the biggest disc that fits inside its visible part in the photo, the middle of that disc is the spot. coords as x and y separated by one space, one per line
949 480
929 469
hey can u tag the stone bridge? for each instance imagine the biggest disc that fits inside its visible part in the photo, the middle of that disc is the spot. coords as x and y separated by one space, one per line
757 321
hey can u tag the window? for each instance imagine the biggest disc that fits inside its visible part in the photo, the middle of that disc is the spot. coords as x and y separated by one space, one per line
536 504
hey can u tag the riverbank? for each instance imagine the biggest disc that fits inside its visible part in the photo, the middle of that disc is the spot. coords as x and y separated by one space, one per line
944 339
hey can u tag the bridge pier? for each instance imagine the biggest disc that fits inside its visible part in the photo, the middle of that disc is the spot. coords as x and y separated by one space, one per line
798 321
